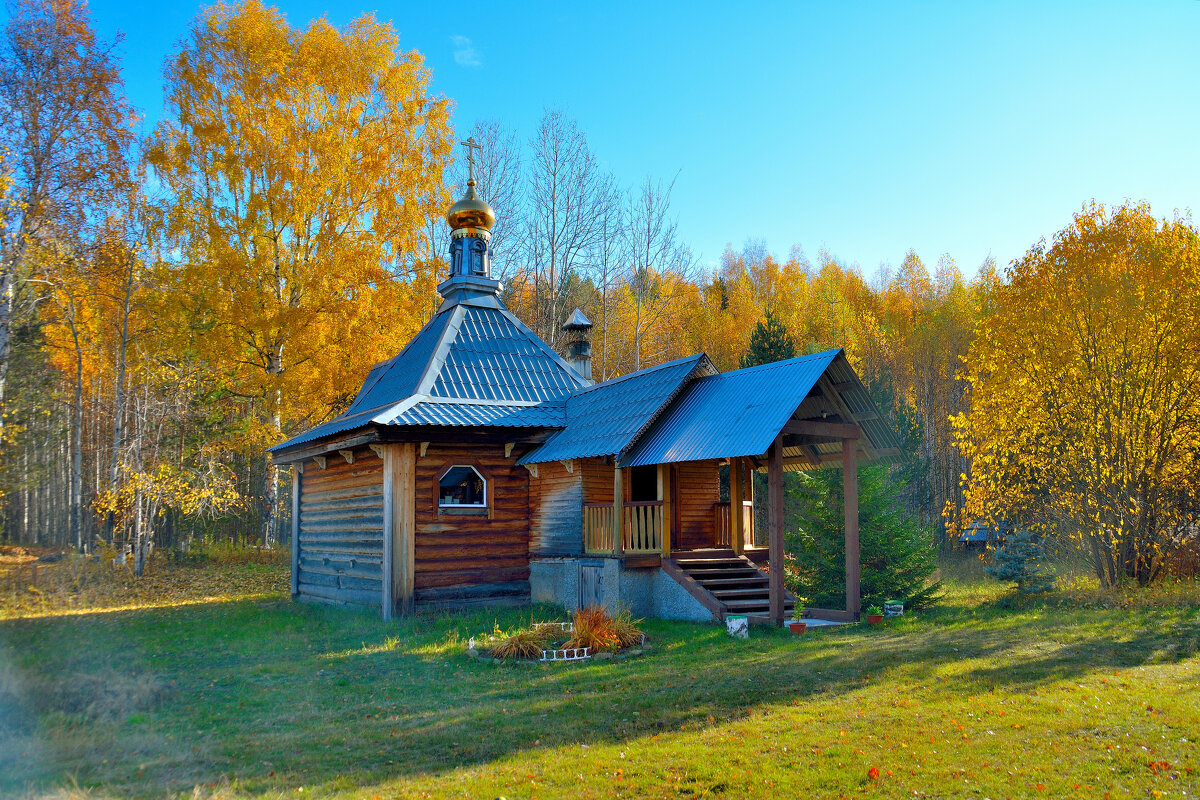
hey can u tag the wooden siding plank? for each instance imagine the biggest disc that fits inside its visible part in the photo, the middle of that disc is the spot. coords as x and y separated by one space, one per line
556 511
295 531
352 596
338 530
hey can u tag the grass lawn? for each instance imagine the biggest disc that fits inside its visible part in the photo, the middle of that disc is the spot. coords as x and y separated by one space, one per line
266 698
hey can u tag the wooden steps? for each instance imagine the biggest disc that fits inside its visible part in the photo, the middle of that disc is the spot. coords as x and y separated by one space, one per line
725 582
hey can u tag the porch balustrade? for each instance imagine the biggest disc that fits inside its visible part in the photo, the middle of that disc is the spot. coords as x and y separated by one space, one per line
725 528
641 529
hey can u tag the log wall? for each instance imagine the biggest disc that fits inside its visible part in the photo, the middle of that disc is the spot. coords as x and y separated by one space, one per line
465 556
598 481
556 510
341 530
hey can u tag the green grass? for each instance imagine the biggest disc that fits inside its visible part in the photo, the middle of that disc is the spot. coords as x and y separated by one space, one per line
1078 694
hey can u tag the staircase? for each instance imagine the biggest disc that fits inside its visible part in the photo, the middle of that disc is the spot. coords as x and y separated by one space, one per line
732 583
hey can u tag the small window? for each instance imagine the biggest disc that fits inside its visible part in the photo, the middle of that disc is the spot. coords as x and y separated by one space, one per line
462 486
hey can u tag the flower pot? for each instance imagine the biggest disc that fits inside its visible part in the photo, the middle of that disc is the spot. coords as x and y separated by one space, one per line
797 626
875 619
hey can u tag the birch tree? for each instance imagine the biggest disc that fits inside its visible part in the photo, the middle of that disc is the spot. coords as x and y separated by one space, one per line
562 225
66 130
657 256
302 167
1084 416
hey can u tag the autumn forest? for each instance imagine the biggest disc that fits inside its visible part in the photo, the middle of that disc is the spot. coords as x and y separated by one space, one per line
174 304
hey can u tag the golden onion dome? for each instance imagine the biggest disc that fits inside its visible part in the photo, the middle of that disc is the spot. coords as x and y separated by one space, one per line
471 212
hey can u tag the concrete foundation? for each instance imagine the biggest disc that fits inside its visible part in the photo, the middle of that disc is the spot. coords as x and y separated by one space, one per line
646 592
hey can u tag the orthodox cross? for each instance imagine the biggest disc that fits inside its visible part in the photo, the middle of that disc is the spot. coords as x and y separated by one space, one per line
471 146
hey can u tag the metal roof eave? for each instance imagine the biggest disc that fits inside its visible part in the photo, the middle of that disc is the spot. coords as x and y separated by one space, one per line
739 413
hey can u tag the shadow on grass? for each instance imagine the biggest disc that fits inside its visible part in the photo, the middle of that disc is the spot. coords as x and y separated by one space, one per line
271 695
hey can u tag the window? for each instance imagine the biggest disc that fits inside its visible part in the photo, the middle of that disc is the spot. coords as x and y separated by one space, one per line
462 486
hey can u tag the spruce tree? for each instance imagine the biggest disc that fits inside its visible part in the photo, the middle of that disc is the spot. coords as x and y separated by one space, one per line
769 342
1019 559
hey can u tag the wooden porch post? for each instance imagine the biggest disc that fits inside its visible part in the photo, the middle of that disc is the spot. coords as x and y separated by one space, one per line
664 494
399 527
618 510
737 535
296 479
775 554
853 560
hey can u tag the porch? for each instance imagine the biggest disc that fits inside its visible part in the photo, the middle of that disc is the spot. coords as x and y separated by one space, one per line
706 545
656 510
650 483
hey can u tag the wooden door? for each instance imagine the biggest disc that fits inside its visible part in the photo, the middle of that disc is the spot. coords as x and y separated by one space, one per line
697 488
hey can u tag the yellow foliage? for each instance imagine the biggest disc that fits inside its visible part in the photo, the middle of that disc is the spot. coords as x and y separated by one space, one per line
1084 412
302 167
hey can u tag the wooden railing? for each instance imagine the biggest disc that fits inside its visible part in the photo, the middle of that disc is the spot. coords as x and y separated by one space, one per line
641 531
597 527
643 527
725 529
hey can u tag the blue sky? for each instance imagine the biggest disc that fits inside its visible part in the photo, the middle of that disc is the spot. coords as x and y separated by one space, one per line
864 128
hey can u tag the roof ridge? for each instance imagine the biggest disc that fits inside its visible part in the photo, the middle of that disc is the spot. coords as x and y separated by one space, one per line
642 371
684 382
401 406
389 363
449 334
832 353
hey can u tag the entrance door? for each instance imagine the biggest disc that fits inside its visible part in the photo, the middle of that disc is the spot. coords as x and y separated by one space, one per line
696 487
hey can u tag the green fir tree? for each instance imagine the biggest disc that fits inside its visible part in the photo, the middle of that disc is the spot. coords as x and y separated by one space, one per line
769 342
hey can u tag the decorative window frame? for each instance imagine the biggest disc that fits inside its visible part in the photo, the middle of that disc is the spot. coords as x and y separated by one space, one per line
483 508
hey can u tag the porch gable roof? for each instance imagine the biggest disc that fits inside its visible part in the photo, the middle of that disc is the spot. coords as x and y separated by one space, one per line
739 413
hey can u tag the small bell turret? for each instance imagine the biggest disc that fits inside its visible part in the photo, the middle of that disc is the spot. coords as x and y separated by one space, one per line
579 343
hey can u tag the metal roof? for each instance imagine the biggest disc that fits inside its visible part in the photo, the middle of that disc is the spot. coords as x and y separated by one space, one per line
577 320
740 413
493 356
431 411
400 376
474 352
604 419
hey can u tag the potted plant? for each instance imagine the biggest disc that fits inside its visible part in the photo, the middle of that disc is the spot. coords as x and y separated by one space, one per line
875 615
797 623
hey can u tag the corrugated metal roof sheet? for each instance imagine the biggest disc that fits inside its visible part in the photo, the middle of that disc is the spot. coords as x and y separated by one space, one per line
400 376
604 419
733 414
451 414
480 354
341 424
495 357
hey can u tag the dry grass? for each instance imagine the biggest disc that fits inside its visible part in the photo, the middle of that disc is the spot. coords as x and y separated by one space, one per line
527 643
79 585
594 629
627 630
